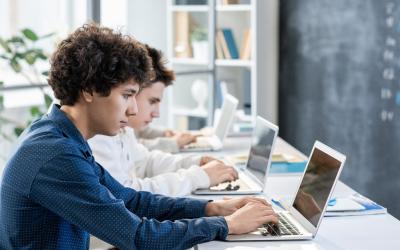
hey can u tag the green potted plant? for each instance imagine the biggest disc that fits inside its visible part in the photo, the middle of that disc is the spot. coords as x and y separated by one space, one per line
199 41
22 53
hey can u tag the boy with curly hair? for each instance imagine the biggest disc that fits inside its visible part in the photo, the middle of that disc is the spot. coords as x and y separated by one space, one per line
53 193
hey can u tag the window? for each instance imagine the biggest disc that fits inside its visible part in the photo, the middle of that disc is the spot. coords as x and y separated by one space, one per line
43 17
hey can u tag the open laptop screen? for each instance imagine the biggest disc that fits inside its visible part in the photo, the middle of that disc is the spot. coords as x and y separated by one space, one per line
260 150
223 122
316 185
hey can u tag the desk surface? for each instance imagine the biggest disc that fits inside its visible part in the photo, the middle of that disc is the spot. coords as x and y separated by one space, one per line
351 232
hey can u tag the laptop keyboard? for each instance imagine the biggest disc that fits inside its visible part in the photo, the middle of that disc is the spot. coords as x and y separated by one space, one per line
198 144
284 227
230 186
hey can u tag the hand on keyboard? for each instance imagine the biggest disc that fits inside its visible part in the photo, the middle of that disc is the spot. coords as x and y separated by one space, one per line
270 229
206 159
219 172
284 227
226 186
250 217
229 187
183 139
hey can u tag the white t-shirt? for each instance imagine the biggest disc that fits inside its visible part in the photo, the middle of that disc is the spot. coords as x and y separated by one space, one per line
134 166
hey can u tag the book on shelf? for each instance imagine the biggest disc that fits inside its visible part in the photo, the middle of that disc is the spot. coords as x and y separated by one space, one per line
353 205
190 2
245 50
223 44
182 46
227 2
230 41
218 48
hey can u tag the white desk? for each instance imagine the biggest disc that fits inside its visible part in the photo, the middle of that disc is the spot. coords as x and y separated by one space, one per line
352 232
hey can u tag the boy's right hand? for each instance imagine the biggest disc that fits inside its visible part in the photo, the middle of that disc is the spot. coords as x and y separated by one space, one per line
218 172
184 139
250 217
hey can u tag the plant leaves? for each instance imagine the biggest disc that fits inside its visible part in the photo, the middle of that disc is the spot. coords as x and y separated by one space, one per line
5 45
30 57
19 55
18 131
1 102
15 65
16 40
40 54
35 111
48 35
1 97
48 100
28 33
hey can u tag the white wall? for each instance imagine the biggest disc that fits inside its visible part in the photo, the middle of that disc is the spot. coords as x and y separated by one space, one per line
147 23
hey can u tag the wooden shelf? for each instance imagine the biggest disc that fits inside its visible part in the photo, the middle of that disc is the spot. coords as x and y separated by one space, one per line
189 112
233 7
189 8
233 63
191 61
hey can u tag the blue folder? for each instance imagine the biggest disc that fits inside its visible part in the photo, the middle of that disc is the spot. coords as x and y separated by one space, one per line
287 167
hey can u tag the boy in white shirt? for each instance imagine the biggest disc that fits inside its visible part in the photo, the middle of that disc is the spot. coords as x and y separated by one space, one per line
133 165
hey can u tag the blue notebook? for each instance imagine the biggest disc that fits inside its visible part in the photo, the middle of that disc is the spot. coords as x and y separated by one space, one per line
353 205
287 167
230 42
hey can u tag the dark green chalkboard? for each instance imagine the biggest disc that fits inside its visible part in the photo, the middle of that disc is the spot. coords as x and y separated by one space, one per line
339 83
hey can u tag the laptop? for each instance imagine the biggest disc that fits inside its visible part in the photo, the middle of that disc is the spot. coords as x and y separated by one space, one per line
302 218
252 175
214 141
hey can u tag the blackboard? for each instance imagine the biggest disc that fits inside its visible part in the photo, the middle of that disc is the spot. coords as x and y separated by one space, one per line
339 82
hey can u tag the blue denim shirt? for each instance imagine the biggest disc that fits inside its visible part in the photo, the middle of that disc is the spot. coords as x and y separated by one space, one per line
54 194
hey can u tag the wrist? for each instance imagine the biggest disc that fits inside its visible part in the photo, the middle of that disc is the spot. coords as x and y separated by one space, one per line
202 161
212 209
230 224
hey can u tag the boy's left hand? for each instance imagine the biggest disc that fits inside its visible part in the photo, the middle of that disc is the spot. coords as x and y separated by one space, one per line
228 206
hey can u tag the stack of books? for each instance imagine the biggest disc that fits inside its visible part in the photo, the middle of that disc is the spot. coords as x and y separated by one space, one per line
226 46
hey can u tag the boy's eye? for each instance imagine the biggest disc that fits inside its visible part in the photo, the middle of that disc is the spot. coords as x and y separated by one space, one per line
126 96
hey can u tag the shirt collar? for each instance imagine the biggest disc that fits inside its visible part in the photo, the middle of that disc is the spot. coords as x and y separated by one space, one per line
68 128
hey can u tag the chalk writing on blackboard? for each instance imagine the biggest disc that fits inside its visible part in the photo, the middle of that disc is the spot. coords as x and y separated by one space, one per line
391 66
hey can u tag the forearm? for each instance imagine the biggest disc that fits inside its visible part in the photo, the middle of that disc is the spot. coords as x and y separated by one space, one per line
150 132
162 207
179 183
164 144
180 234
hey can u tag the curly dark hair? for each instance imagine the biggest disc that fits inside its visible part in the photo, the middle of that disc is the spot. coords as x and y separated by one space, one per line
97 59
162 73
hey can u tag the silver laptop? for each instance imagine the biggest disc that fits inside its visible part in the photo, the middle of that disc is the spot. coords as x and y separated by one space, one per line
221 127
301 219
252 176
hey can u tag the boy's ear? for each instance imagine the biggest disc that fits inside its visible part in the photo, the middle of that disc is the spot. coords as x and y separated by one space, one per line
87 96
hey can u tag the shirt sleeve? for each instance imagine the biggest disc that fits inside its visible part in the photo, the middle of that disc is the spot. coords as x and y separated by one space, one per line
166 144
84 194
150 132
157 162
163 173
179 183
